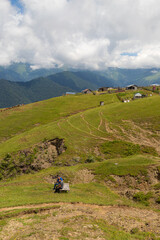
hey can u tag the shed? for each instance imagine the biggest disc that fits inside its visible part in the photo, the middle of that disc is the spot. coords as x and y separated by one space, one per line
101 103
132 87
103 89
70 93
138 95
87 91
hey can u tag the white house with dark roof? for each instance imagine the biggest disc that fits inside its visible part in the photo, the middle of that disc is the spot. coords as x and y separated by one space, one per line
132 87
137 95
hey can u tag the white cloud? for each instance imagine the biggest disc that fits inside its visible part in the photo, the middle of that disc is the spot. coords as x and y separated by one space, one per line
86 33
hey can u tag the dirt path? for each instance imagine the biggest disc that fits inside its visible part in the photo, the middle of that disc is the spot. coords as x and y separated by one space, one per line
30 206
90 125
78 214
63 129
85 132
87 124
101 120
142 137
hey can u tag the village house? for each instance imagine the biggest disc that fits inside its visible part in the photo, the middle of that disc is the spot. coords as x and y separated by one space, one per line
137 95
155 84
132 87
87 91
70 93
103 89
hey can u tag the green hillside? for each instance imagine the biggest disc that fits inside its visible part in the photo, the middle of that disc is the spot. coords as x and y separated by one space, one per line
40 120
110 157
56 82
13 93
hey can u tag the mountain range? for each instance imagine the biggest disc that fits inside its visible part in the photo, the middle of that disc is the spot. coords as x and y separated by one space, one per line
13 93
16 86
23 72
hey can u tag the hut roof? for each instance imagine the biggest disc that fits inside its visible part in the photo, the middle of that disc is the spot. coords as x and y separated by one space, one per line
138 95
72 93
132 85
86 90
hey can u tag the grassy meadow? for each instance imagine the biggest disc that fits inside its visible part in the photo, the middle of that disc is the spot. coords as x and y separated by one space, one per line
104 144
77 126
38 188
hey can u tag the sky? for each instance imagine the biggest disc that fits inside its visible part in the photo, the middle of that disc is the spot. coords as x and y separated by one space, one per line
87 34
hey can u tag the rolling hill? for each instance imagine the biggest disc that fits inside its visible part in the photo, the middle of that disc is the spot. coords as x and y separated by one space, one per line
109 154
56 82
13 93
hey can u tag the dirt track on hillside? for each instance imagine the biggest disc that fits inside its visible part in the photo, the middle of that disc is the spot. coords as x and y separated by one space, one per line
79 215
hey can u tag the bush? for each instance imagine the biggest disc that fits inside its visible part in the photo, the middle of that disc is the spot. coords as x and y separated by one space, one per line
134 230
158 200
149 150
142 197
157 186
90 159
120 148
10 167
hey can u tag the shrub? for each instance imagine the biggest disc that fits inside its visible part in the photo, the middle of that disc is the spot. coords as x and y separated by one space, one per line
142 197
158 200
90 159
134 230
149 150
120 148
157 186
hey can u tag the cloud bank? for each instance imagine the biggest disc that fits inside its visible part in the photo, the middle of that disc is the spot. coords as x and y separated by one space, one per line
93 34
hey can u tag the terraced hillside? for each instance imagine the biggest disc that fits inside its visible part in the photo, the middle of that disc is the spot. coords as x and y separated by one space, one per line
109 154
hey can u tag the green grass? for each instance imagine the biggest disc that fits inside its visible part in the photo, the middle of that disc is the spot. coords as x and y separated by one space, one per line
85 127
119 148
94 227
133 165
158 200
34 189
143 197
113 233
138 110
19 212
29 116
128 95
157 186
42 193
79 131
83 132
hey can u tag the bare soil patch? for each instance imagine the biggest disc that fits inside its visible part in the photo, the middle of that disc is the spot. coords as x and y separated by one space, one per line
83 176
129 185
139 135
79 221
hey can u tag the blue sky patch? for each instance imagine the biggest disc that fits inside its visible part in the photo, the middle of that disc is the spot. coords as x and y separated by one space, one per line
134 54
17 3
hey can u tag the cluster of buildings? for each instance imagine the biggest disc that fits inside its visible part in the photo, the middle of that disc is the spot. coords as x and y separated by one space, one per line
111 90
104 90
